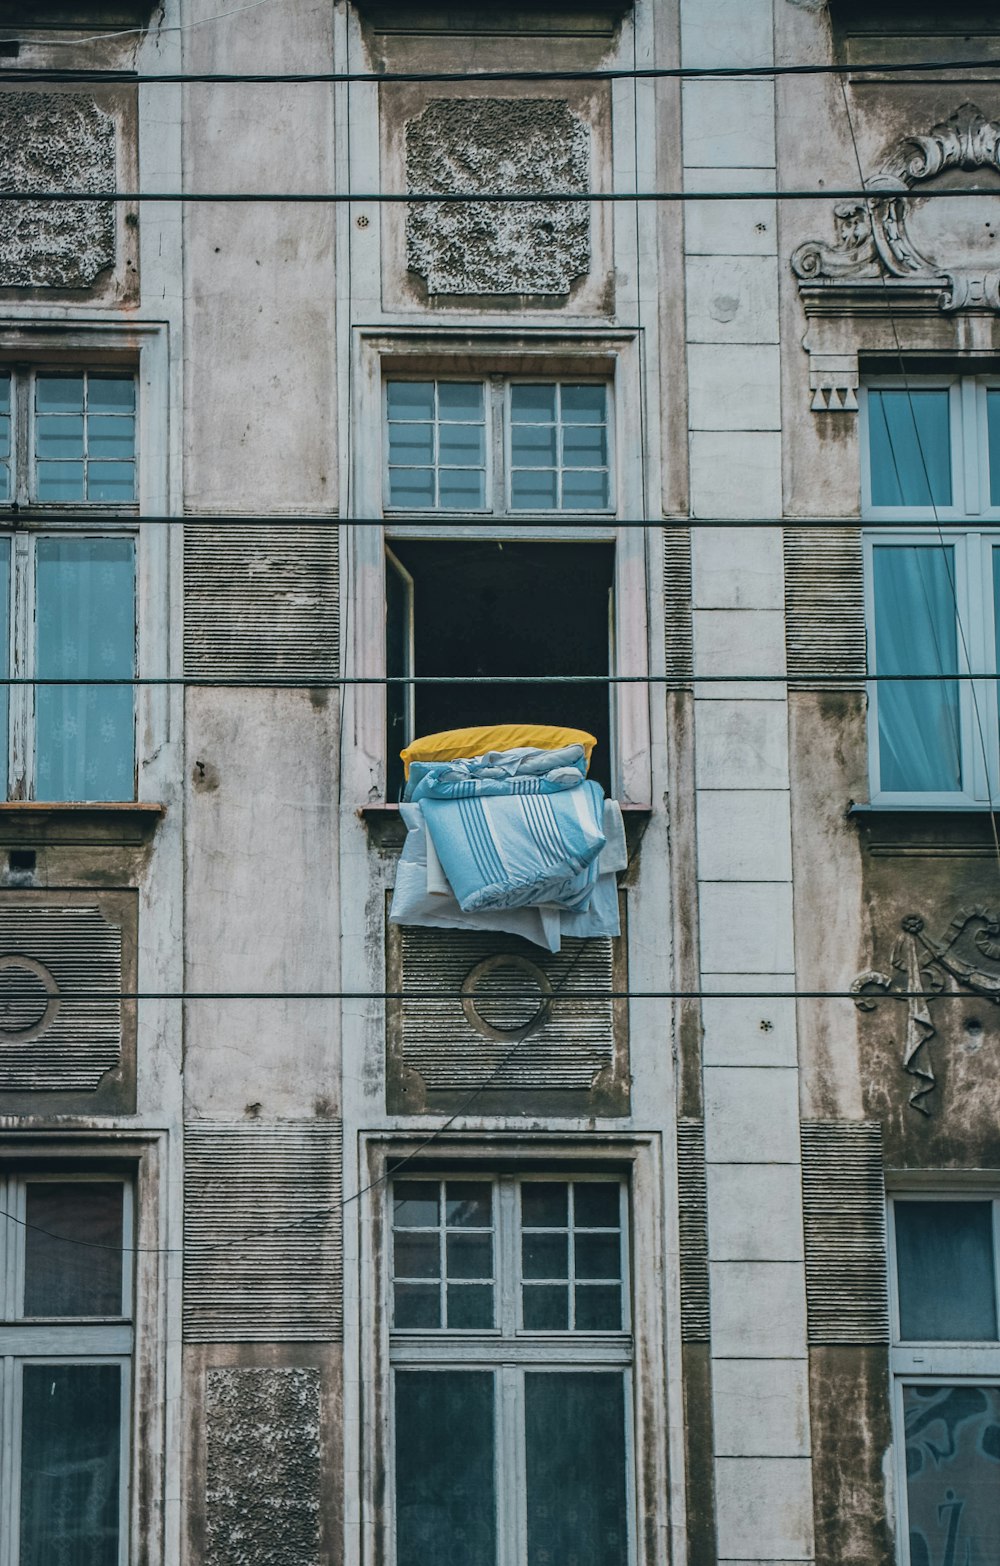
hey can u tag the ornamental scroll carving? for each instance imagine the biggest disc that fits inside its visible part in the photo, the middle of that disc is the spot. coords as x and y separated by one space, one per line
965 959
56 141
895 238
464 146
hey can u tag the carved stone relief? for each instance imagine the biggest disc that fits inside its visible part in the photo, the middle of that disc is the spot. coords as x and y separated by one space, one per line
55 141
262 1484
907 245
966 959
466 146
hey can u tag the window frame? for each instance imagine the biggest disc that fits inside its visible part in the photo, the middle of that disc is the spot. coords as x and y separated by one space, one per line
498 465
608 356
509 1351
975 609
952 1362
141 351
60 1340
655 1418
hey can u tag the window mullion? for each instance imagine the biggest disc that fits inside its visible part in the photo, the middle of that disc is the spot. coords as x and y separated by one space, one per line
971 406
512 1531
23 486
22 703
497 388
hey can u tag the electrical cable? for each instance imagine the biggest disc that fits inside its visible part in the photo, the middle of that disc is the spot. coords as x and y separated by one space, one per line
480 197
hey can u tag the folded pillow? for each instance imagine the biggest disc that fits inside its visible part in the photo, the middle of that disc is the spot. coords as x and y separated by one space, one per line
455 744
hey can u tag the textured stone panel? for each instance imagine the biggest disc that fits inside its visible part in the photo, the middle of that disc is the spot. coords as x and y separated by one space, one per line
263 1249
693 1223
60 1018
262 1483
824 604
843 1199
261 602
514 145
53 141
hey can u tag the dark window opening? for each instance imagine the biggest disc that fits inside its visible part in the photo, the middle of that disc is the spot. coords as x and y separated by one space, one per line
490 609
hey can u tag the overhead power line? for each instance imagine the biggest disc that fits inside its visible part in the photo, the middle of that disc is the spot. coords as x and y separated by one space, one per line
110 76
479 197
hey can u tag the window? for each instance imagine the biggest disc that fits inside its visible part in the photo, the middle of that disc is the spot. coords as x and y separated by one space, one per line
68 457
495 450
946 1367
443 437
65 1356
933 455
511 1359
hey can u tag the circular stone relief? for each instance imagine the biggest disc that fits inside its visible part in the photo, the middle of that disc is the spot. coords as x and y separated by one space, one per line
503 995
28 997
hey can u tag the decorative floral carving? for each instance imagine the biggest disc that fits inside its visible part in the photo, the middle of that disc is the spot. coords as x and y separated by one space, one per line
467 145
873 242
54 141
968 955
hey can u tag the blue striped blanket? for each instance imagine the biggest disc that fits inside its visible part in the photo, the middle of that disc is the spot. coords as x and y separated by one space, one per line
512 830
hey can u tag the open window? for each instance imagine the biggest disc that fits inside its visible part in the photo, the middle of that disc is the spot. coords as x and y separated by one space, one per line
494 611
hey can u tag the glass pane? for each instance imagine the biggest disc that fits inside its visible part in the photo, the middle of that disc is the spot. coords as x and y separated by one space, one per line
597 1256
585 446
544 1204
70 1460
533 404
944 1263
111 483
461 489
445 1488
73 1248
412 487
533 491
574 1435
460 400
584 404
85 624
953 1474
993 427
545 1255
108 436
417 1305
410 399
416 1255
470 1255
533 445
584 490
59 481
910 448
598 1308
59 393
915 633
596 1206
411 444
468 1204
106 394
59 437
470 1306
415 1204
545 1307
461 444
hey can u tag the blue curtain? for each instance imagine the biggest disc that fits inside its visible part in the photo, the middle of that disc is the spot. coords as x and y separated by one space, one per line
85 625
915 633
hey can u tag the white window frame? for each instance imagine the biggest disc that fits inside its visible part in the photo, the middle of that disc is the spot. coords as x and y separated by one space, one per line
656 1429
140 349
498 465
979 729
937 1362
509 1350
611 357
58 1340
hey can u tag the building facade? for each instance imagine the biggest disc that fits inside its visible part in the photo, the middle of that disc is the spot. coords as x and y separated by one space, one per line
377 367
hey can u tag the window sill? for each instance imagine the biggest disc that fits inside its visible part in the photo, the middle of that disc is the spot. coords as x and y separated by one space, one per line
386 829
923 829
62 821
